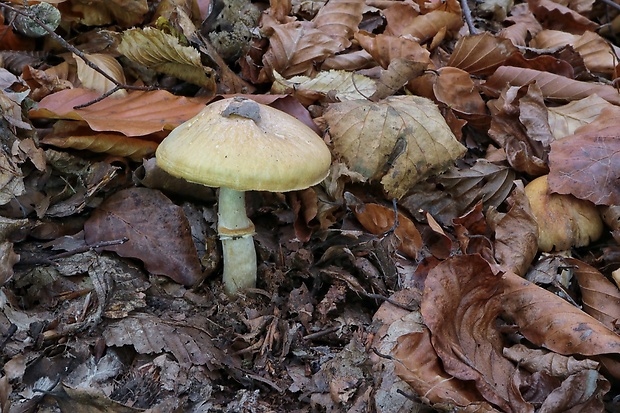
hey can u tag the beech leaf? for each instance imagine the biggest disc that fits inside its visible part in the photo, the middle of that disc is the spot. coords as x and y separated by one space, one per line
548 321
110 143
400 140
339 19
156 230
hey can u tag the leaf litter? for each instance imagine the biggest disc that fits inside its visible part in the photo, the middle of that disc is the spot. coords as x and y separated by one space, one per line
411 279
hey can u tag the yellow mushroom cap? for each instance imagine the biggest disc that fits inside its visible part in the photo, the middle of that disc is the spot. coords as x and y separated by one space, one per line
563 220
244 145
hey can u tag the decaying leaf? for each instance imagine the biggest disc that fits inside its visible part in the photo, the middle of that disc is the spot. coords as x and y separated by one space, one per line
149 334
457 191
104 12
141 216
163 52
400 141
551 363
385 49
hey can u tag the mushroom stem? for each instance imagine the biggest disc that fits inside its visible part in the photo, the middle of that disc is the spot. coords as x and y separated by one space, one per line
236 233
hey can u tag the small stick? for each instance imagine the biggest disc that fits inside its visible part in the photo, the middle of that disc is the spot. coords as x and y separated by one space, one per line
467 16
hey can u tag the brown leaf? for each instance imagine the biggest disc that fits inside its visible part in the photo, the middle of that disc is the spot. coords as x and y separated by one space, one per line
587 165
379 219
138 114
149 334
553 86
295 48
157 233
110 143
100 12
581 392
551 363
400 140
519 125
460 305
339 19
554 15
481 54
457 191
516 233
548 321
385 48
403 19
565 120
600 297
417 364
454 88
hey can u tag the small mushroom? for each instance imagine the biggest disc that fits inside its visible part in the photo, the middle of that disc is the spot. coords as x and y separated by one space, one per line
239 145
563 220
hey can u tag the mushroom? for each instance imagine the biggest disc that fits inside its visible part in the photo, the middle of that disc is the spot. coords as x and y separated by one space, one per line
239 145
563 220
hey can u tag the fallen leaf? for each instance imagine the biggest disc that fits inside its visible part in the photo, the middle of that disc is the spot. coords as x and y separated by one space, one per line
339 20
547 320
599 296
461 301
91 79
587 165
156 230
163 53
400 141
551 363
104 12
385 49
553 87
481 54
138 114
110 143
565 120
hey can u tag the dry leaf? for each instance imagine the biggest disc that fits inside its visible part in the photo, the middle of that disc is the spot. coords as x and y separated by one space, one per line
110 143
91 79
553 15
295 48
551 363
341 84
339 19
587 164
481 54
460 305
138 114
385 48
564 120
600 297
400 140
142 216
379 219
104 12
547 320
163 53
554 87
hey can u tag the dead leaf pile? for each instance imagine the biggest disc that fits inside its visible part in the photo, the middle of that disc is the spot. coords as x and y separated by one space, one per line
420 275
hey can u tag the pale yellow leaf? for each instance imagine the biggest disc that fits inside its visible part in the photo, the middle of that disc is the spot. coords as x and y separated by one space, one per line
91 79
399 141
163 53
564 120
345 85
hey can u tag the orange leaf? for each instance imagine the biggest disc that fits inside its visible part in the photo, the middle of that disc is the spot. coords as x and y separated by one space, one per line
137 114
339 19
481 54
547 320
110 143
379 219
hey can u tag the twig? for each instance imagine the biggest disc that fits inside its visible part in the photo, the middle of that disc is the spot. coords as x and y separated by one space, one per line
389 300
86 248
467 16
78 53
611 3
